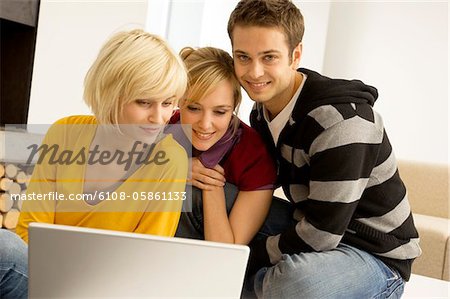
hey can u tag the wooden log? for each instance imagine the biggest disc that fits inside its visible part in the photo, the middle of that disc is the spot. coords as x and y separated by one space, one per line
6 202
15 188
5 184
2 170
10 219
11 171
21 177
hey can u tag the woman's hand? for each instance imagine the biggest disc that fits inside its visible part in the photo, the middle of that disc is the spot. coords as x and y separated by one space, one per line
206 178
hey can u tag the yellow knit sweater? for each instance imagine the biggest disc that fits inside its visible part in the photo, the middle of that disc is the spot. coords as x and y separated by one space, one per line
148 201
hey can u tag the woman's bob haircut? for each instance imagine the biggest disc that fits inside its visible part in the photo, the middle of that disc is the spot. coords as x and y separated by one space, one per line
132 65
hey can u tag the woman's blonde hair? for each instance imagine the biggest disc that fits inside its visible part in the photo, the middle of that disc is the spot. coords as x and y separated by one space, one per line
132 65
207 67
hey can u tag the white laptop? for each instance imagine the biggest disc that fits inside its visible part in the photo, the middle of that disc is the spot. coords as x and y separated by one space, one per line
75 262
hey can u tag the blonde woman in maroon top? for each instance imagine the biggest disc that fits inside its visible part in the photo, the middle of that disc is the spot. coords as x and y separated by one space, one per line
233 174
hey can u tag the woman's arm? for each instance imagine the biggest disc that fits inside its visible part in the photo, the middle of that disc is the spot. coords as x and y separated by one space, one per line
246 217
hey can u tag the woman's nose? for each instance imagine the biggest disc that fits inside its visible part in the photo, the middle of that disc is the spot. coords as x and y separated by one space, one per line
156 115
205 122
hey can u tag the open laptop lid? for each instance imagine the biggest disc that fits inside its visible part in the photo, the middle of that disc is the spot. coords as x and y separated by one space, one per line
76 262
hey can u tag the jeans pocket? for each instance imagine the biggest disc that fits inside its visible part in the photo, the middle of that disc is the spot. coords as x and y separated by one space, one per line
394 284
395 289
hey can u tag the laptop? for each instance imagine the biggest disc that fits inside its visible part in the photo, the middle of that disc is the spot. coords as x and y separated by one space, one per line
77 262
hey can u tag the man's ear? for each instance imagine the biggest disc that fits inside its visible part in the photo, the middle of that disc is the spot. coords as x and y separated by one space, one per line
296 56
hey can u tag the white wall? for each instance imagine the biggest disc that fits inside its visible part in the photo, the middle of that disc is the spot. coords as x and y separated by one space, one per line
158 17
316 15
69 36
402 49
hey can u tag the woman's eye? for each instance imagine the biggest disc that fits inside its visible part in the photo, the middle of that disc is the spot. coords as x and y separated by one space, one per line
143 103
192 108
167 104
220 112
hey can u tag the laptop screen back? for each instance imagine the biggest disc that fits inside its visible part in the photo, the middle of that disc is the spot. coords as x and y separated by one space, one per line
74 262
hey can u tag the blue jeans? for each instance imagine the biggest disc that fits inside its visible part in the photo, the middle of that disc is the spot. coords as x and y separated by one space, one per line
13 266
344 272
190 225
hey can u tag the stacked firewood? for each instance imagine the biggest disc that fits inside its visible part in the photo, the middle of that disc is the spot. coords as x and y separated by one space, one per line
14 180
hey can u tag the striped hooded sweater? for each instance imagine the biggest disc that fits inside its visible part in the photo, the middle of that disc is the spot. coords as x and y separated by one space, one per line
337 167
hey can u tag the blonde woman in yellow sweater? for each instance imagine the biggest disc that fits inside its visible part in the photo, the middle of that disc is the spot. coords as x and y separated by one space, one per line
116 169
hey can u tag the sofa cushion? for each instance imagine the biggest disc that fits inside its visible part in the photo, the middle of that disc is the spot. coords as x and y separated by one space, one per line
446 274
434 238
428 187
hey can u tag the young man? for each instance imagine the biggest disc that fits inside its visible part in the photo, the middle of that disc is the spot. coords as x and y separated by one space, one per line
353 234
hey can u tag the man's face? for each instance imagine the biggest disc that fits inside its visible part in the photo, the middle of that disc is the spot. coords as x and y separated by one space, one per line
264 66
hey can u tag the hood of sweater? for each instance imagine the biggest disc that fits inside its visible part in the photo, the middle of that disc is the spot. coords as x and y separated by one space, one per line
320 90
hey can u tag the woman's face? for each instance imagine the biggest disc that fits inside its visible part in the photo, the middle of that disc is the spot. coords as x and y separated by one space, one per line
209 116
145 118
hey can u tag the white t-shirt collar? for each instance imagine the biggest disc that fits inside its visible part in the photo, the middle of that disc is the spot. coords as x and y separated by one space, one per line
277 124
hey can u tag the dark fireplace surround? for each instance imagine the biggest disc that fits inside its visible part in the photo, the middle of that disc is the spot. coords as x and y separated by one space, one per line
18 28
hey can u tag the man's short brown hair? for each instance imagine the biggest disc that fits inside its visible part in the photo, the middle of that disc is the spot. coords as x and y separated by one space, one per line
269 13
